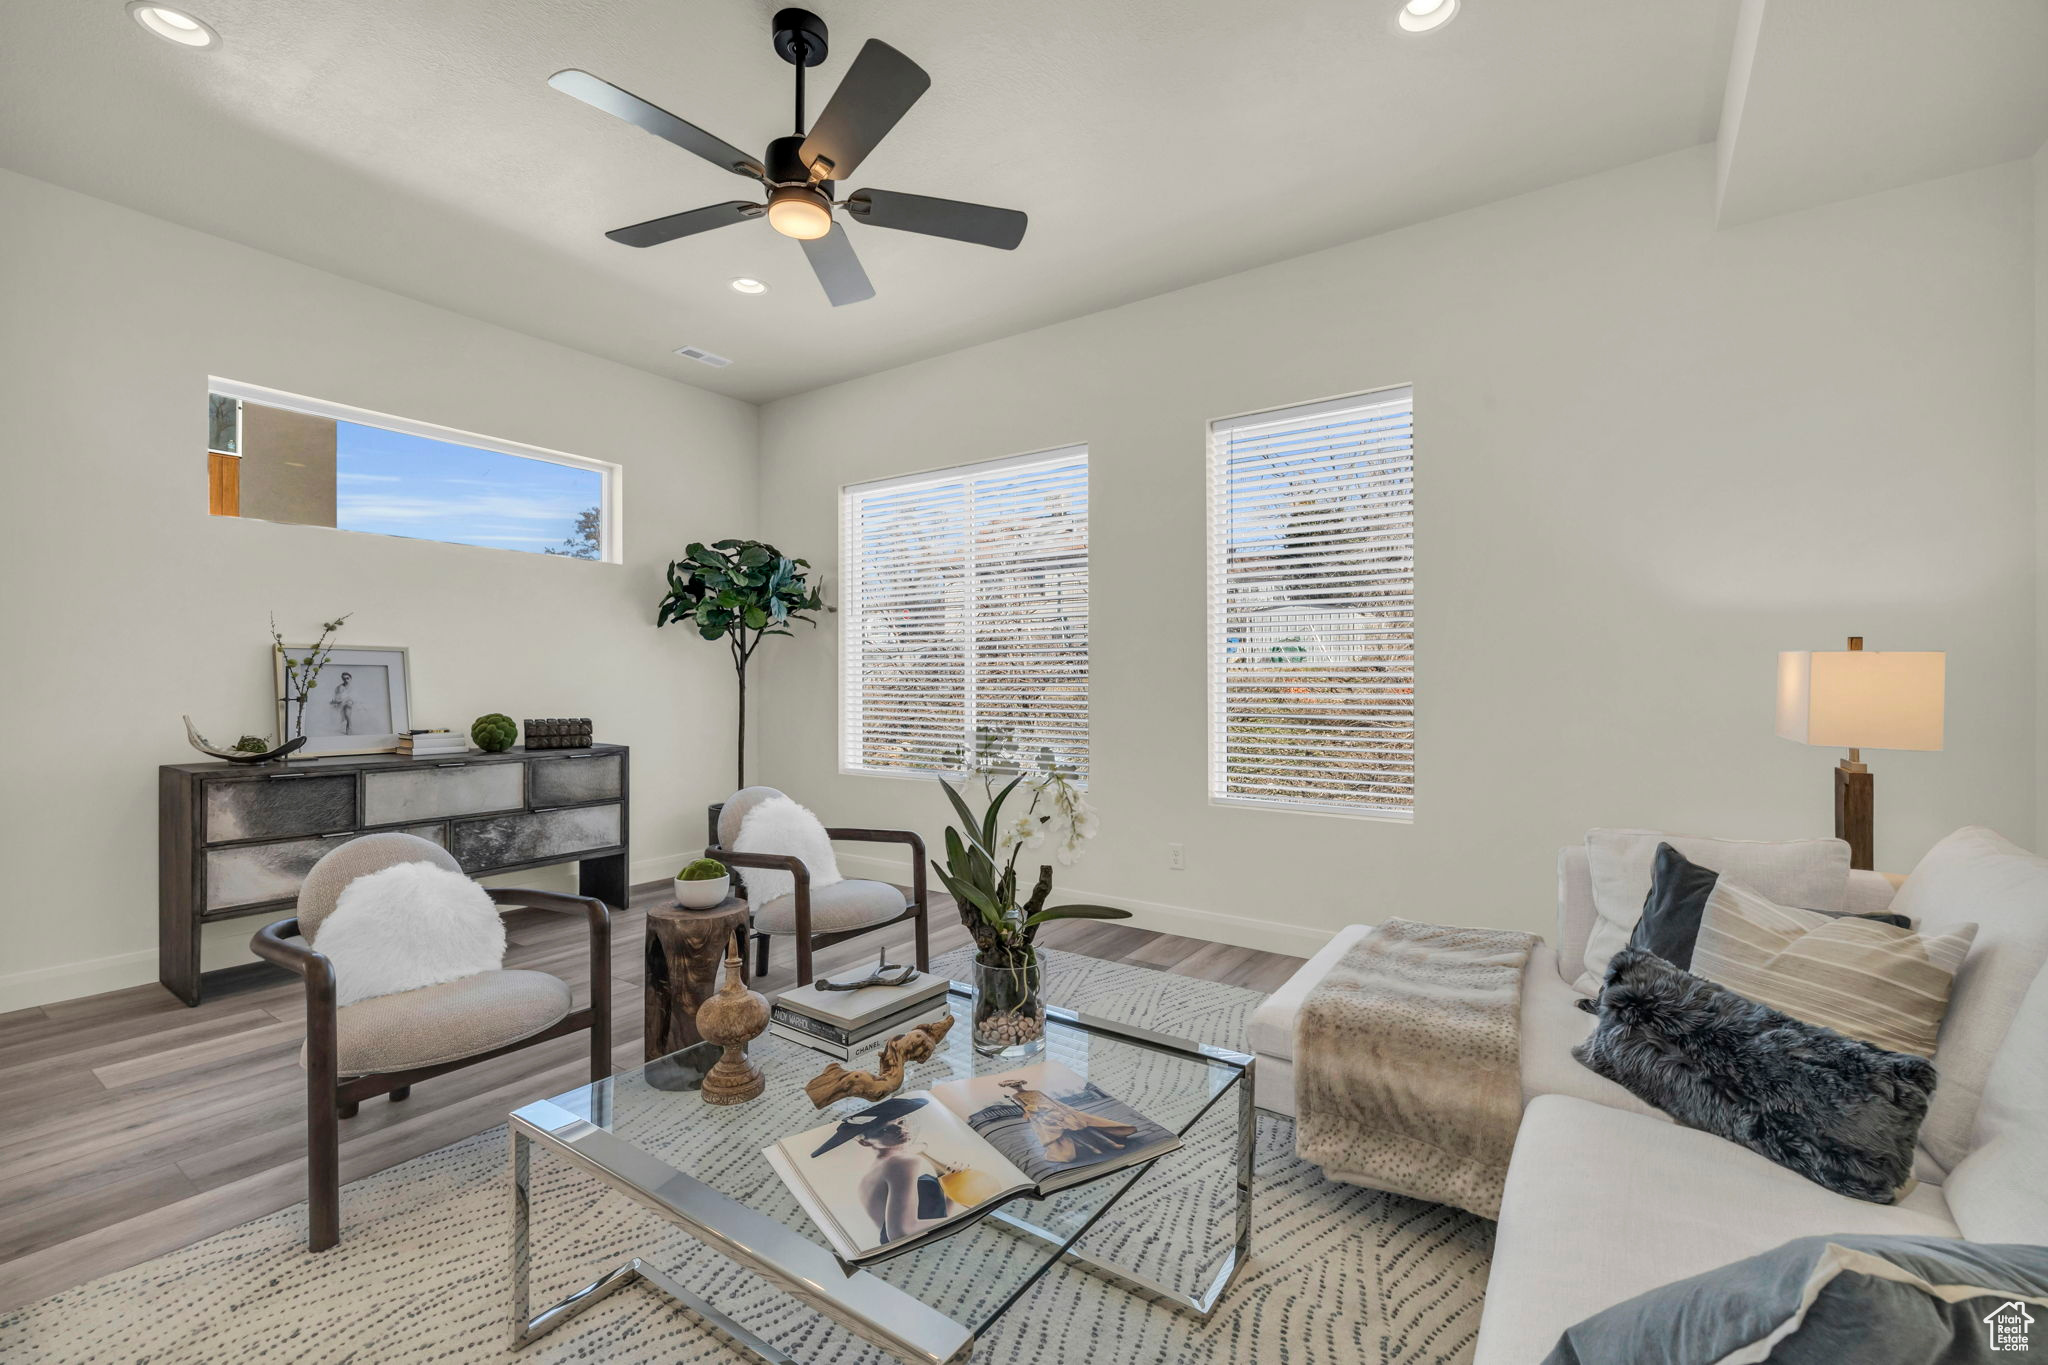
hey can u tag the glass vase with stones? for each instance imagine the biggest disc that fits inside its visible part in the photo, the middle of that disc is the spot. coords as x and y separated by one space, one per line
1009 1003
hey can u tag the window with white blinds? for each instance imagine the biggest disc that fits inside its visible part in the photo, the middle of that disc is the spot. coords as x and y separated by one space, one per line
1311 606
964 623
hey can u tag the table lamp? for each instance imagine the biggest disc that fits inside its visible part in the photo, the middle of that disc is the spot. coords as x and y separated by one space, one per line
1859 699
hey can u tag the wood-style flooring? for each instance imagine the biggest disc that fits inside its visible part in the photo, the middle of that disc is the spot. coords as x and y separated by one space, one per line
131 1125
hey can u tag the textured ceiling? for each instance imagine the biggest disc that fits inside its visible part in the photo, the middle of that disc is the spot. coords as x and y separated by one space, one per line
416 146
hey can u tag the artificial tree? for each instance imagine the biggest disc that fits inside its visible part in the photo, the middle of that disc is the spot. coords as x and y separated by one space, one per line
740 591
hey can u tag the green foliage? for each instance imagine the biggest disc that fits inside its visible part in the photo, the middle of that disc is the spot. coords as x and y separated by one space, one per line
981 873
584 541
702 870
738 587
495 732
250 744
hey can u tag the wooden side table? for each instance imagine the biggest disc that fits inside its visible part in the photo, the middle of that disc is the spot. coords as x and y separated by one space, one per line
684 949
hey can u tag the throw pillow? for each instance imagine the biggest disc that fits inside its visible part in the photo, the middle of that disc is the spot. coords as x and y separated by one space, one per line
1885 985
1828 1300
1837 1110
1999 1192
407 926
780 825
1808 872
1976 877
1679 888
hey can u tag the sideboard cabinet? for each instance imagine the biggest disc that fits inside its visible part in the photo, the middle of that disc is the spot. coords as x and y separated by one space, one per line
235 840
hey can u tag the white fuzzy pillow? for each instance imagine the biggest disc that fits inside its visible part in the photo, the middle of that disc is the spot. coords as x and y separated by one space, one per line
780 825
410 925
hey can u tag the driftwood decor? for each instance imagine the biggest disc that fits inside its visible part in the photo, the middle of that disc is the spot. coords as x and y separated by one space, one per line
835 1082
265 755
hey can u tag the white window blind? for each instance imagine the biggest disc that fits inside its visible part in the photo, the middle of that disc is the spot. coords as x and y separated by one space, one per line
1311 606
965 615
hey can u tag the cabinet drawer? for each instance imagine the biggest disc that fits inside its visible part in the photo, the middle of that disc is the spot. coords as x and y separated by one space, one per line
392 796
254 873
531 836
565 781
280 805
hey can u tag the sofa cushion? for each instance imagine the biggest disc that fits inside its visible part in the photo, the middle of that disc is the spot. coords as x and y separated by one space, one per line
1837 1110
443 1023
1601 1205
835 908
1999 1192
1823 1300
1810 873
1886 985
1976 876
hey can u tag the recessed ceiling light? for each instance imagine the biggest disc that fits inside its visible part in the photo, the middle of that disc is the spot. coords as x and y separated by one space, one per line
173 25
746 284
1420 16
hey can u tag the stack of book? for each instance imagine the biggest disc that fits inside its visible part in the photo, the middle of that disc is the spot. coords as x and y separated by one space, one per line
427 743
849 1024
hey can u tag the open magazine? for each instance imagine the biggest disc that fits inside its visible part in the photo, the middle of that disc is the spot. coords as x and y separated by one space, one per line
909 1168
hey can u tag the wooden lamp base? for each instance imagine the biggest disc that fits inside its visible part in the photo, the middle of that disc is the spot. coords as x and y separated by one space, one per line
1855 809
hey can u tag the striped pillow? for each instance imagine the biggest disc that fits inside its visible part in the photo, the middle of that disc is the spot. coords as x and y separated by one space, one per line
1877 982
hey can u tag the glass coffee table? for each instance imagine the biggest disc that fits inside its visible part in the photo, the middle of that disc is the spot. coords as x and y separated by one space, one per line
647 1134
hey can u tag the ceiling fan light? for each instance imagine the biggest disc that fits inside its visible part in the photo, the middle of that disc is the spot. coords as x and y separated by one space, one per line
800 213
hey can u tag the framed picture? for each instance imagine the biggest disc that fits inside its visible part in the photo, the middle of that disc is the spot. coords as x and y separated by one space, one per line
360 703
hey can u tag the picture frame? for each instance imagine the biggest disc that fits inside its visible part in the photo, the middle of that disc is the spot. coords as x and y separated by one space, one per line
360 704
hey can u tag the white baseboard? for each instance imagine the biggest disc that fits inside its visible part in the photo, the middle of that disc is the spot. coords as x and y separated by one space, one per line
1239 931
70 980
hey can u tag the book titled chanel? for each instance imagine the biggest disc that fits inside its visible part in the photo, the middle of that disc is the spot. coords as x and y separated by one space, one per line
915 1166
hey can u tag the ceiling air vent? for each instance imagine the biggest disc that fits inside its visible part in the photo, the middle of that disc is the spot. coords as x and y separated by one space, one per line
702 356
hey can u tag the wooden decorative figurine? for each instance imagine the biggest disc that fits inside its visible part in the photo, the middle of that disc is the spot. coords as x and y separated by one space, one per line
733 1018
835 1082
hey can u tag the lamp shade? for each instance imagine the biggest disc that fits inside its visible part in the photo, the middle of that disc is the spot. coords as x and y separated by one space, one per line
1861 699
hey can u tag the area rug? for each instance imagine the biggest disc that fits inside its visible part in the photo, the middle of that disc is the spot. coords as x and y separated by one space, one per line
1338 1274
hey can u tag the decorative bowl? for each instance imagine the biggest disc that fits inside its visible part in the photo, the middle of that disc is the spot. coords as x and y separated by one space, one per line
705 894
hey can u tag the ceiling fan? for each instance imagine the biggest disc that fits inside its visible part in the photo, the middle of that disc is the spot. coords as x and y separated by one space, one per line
801 171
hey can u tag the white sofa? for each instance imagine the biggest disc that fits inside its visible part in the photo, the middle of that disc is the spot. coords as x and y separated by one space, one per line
1606 1197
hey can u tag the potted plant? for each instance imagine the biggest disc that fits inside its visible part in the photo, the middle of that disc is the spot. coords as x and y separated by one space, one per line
981 872
703 884
740 591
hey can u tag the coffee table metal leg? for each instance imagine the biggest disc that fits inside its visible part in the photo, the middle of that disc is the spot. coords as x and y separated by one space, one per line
528 1327
1201 1304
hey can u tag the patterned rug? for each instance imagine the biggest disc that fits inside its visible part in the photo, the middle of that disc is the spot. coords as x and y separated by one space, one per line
1337 1274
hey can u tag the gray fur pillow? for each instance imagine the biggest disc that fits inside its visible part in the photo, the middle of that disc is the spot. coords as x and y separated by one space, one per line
1840 1111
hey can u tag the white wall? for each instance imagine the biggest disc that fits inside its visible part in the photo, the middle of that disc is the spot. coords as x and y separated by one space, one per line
125 604
1649 456
2041 492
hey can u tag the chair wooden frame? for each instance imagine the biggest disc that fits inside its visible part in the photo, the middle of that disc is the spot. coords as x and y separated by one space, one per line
806 941
330 1097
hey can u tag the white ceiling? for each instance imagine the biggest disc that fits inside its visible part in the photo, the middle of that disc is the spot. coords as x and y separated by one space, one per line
1155 143
1833 99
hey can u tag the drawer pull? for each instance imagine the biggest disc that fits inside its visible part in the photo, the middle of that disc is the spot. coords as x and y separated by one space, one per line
452 765
340 834
287 777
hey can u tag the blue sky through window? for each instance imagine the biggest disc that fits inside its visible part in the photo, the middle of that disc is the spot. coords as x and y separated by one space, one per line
400 485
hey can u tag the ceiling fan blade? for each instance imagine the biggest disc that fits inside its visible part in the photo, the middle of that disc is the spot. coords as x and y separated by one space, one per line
664 125
976 223
877 90
837 268
655 231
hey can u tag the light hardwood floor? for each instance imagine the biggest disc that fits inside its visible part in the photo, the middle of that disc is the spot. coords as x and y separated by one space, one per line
131 1125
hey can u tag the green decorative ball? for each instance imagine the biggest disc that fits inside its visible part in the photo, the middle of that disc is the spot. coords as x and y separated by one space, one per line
702 870
495 733
249 744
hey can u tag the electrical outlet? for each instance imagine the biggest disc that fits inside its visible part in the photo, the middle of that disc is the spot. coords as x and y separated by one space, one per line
1176 858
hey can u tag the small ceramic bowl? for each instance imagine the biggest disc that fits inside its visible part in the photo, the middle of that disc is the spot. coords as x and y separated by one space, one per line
703 895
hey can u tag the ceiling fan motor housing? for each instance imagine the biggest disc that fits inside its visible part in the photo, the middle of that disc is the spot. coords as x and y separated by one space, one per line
799 34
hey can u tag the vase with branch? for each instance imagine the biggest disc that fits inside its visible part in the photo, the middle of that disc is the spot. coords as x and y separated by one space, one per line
980 871
739 591
302 674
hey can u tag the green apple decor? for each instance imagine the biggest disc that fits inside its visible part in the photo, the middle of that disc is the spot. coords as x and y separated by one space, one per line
495 733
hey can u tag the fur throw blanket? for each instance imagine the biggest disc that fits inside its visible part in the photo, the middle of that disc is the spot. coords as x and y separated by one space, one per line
780 825
1407 1063
407 926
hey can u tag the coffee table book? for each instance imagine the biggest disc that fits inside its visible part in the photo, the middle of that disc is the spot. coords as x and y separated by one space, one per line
910 1169
847 1044
849 1011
